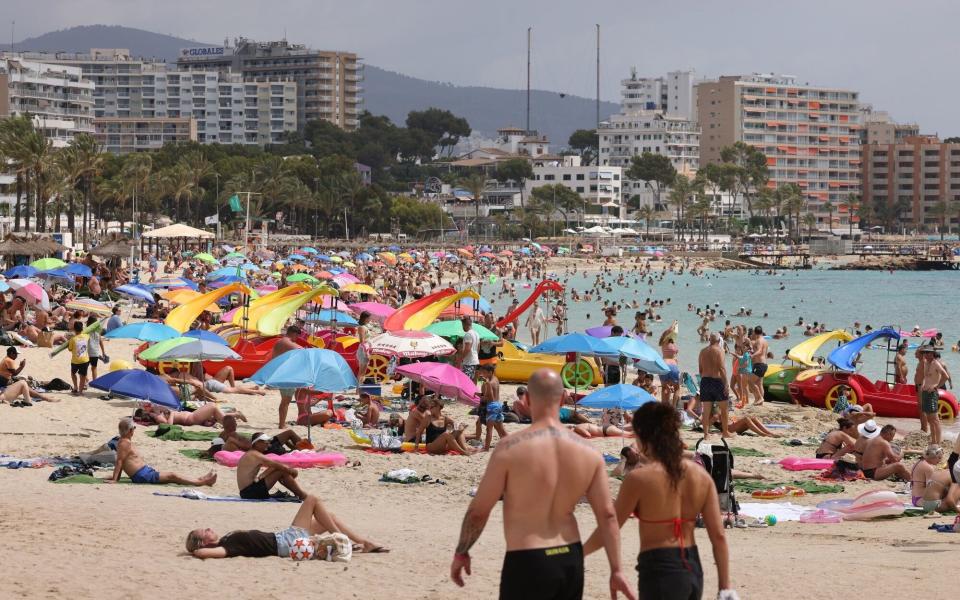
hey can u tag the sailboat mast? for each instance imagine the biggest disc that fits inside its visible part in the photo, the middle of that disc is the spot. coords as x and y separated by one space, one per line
598 78
528 78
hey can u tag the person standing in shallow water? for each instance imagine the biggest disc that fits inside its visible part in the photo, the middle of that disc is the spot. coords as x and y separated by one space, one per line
541 473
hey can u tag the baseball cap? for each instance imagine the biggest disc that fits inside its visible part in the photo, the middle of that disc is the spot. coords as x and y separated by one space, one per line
260 437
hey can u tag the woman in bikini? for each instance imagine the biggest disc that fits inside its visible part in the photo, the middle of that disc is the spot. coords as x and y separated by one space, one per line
442 435
840 441
666 493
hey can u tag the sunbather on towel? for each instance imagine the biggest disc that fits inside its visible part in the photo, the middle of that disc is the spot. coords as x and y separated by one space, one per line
129 462
205 416
311 519
231 441
255 485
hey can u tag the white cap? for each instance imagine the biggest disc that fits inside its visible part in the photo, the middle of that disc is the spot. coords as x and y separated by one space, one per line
262 437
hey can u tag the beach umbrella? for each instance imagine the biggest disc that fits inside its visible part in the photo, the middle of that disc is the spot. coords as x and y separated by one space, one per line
409 344
235 255
148 331
322 257
378 311
4 287
309 250
136 291
296 257
172 282
506 253
454 329
336 259
444 379
203 334
359 288
579 343
20 271
305 277
55 274
603 331
141 385
88 305
349 264
309 368
205 257
329 316
644 356
45 264
363 256
389 257
394 248
622 395
221 272
78 270
188 349
31 291
344 278
219 282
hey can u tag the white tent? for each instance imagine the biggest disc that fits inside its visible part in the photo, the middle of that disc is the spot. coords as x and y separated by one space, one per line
178 231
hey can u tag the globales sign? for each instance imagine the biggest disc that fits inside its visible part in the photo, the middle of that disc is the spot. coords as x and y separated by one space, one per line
205 52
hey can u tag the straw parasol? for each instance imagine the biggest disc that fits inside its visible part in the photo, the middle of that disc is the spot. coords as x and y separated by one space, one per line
29 245
118 248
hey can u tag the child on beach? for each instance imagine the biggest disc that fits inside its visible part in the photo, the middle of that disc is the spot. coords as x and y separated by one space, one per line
79 358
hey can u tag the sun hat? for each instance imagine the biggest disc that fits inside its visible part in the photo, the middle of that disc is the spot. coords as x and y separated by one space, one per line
869 429
260 437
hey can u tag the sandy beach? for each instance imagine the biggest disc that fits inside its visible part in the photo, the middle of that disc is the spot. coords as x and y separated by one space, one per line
113 541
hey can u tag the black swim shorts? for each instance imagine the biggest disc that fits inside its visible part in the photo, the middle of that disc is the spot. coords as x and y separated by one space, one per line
669 574
543 574
255 491
760 369
712 390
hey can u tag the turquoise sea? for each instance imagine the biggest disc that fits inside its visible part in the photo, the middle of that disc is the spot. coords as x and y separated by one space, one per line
902 299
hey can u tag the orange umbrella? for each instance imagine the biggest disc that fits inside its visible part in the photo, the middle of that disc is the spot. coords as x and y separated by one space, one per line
324 275
465 253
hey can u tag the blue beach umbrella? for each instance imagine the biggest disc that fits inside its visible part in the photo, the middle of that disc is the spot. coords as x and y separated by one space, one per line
78 269
172 282
20 272
203 334
309 250
136 291
328 316
134 383
55 274
145 332
364 256
622 395
647 358
310 368
579 343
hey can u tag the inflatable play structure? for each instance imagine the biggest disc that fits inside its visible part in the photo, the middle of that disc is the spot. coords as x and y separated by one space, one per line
547 285
776 383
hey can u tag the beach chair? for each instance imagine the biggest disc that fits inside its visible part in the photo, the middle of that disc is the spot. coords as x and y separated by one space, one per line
717 459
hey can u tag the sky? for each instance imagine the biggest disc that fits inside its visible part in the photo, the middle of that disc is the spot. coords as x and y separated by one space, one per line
890 51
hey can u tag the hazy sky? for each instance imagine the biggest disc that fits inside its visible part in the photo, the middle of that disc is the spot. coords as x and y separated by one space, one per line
900 55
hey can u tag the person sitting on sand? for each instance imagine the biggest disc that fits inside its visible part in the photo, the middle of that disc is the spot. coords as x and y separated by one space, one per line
880 461
840 441
441 434
521 406
129 462
255 485
368 410
206 416
306 400
418 413
223 382
312 518
747 423
21 389
929 485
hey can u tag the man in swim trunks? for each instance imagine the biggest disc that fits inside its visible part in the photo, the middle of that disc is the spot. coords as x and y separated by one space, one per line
935 376
759 356
541 473
231 441
129 462
713 385
286 343
255 485
880 461
312 518
490 398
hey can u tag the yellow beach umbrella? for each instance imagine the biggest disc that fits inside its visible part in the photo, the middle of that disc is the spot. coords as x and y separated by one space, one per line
359 288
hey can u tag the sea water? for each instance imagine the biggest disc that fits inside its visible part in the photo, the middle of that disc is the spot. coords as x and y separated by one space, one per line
902 299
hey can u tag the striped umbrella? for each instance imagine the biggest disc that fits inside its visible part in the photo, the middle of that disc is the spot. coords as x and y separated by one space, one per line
88 305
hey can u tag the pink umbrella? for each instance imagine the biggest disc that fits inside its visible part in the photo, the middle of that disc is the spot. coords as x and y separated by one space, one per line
345 278
31 291
266 289
331 302
378 311
409 344
446 380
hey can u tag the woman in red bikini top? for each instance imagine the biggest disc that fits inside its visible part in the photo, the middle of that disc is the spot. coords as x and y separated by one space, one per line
666 493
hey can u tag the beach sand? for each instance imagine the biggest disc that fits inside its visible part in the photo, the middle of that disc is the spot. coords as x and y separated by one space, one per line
113 541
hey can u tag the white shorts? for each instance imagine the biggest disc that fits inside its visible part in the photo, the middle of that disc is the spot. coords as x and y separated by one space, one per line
212 385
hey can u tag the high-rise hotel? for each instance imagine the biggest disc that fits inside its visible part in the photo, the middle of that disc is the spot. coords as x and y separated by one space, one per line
809 134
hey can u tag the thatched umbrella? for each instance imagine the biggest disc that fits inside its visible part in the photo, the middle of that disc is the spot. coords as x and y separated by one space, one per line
118 248
28 245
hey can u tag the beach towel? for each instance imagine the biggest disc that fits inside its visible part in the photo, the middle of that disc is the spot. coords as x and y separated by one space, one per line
88 479
783 511
400 476
944 528
194 494
810 487
841 473
195 453
176 433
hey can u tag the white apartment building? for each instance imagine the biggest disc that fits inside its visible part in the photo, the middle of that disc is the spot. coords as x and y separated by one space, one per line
146 95
632 133
673 94
57 97
600 187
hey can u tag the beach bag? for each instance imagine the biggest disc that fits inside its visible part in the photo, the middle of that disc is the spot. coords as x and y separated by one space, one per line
385 441
717 459
57 385
45 339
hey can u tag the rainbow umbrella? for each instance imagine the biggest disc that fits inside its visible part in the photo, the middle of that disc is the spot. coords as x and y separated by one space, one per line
88 305
188 349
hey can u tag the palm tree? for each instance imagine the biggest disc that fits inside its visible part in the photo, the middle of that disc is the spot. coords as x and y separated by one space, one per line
679 196
135 175
828 206
89 161
647 213
793 202
113 193
178 182
12 131
475 184
852 202
810 220
941 211
199 167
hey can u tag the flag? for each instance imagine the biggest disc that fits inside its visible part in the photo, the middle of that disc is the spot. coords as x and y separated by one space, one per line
211 220
235 203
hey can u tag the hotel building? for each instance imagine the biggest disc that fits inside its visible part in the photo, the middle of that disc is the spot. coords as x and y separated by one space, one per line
56 97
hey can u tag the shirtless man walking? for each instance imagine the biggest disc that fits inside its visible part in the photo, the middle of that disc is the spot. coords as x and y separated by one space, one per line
285 344
255 485
713 386
934 376
129 462
760 348
541 473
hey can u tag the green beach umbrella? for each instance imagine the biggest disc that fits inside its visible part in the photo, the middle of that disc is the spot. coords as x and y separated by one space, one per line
235 255
187 349
303 277
454 329
205 257
45 264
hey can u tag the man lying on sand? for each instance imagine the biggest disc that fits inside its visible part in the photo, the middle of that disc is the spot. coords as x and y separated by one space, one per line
255 485
231 441
129 462
311 518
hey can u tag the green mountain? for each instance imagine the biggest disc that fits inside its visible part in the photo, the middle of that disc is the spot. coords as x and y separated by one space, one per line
385 92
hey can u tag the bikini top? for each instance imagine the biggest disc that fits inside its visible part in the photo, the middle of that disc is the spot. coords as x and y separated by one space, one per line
677 523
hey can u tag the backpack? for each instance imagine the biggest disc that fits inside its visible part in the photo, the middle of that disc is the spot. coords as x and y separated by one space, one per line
717 459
